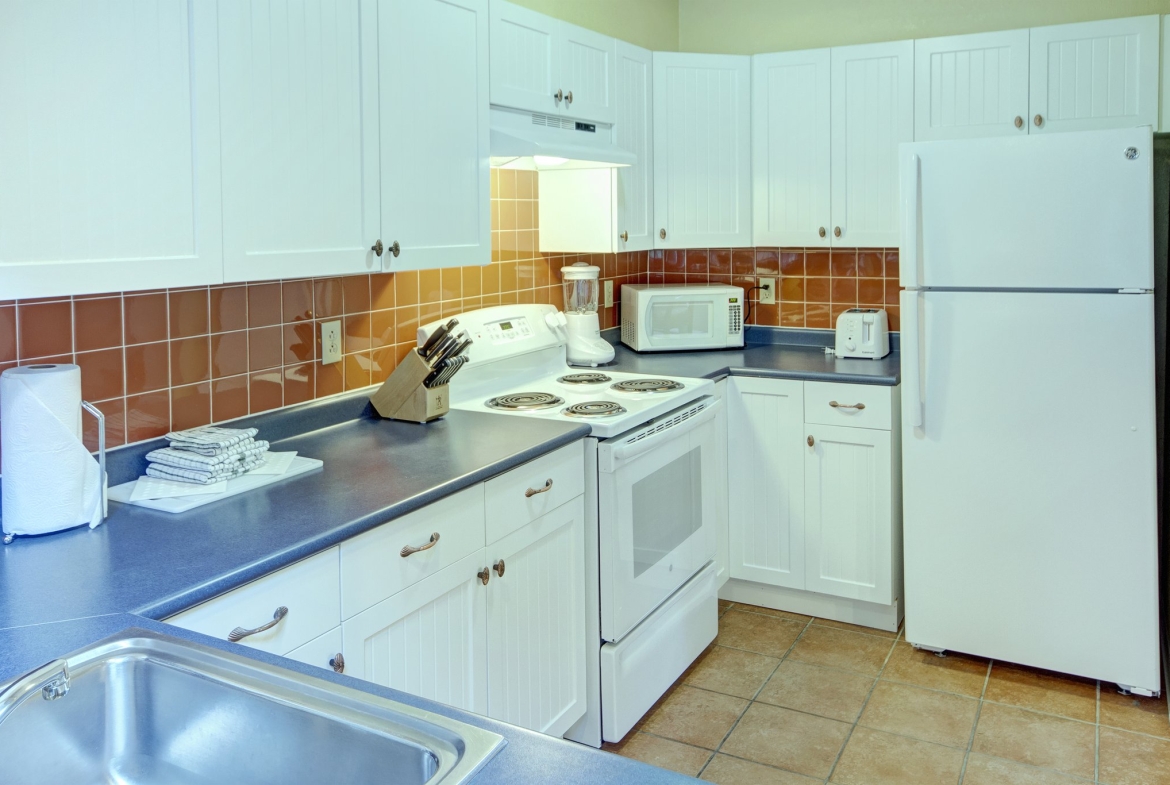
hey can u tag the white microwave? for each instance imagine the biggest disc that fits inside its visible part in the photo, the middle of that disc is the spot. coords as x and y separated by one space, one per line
675 317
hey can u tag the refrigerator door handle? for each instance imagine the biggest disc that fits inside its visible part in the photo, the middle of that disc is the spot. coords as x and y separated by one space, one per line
912 344
911 177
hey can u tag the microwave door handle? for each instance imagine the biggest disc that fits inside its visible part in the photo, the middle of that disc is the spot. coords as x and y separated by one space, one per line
627 451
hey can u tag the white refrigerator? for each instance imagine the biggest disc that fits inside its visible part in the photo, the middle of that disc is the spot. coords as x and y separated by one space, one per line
1028 413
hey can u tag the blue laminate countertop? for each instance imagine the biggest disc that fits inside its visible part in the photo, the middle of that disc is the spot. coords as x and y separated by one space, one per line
778 354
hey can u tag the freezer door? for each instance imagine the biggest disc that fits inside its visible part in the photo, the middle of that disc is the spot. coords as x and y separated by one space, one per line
1030 526
1053 211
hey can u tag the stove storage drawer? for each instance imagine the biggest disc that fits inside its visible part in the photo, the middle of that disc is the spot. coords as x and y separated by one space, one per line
850 405
527 492
373 566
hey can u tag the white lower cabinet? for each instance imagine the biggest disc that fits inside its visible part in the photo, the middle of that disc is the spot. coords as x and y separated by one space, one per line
815 514
430 639
536 623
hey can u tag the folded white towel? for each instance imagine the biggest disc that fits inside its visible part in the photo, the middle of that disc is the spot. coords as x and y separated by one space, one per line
210 439
178 474
186 459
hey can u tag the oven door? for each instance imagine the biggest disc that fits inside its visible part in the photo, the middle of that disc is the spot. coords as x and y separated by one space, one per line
656 508
684 321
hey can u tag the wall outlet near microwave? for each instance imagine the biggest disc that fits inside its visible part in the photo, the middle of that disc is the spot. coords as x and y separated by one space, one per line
331 342
767 291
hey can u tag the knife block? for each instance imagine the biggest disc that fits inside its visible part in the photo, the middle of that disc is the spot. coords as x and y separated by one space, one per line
403 397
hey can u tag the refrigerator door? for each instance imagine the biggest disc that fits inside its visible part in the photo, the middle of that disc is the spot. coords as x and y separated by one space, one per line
1053 211
1030 527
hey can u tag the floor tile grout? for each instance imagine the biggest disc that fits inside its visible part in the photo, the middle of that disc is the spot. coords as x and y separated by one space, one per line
975 724
877 678
1097 742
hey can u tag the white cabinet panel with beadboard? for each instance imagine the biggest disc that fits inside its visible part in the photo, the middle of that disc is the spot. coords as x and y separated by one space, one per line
702 150
536 622
1094 75
109 147
299 119
634 131
968 86
433 97
588 63
790 149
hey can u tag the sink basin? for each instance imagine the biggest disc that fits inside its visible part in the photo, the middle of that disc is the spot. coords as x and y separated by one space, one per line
145 708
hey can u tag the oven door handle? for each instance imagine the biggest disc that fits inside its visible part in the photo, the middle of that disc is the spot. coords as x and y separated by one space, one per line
624 452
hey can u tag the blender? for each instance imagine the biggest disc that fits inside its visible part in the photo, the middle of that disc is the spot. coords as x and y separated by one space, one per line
585 344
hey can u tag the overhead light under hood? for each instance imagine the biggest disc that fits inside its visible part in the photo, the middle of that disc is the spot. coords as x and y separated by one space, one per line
534 141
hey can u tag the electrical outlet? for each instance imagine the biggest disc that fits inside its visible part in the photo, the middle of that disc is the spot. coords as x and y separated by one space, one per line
609 294
331 342
767 291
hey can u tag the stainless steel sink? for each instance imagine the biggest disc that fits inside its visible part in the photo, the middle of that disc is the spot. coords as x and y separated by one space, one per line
151 709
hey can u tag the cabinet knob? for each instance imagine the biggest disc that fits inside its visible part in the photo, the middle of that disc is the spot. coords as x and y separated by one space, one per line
569 97
1038 120
484 576
394 249
662 234
625 237
499 568
811 441
821 231
1019 122
377 248
337 663
559 96
836 231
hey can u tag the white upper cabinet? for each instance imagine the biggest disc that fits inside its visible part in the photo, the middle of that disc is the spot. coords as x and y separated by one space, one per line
971 85
633 131
702 150
1094 75
109 147
872 98
790 148
433 83
299 119
541 64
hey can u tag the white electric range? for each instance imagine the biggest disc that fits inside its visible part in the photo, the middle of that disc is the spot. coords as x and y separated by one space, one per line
650 500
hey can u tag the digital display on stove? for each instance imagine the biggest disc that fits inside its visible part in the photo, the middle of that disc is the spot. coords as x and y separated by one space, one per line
505 325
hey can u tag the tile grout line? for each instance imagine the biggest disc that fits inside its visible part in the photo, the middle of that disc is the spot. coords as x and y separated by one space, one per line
975 724
857 720
1097 741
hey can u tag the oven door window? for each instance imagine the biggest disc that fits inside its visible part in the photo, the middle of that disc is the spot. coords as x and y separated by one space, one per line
671 318
668 509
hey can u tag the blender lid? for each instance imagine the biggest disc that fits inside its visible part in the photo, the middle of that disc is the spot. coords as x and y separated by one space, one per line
580 272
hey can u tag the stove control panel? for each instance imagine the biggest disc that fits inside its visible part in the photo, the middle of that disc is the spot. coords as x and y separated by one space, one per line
508 330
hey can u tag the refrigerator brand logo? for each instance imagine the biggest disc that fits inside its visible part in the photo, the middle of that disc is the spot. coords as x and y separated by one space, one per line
1131 153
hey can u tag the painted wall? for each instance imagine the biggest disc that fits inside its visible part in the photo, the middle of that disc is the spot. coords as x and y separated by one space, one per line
652 24
753 26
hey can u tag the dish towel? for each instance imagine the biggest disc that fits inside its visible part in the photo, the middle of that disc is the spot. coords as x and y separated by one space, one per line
207 455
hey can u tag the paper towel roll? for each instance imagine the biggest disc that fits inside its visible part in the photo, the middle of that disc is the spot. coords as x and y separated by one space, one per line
49 480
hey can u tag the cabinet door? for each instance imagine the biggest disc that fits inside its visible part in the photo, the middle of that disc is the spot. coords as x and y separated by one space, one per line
633 131
702 150
588 65
525 66
790 148
109 147
873 112
299 118
536 623
722 572
436 197
765 426
1094 75
848 524
429 639
971 85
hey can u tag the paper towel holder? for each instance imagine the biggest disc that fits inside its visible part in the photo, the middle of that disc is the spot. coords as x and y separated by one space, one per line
101 421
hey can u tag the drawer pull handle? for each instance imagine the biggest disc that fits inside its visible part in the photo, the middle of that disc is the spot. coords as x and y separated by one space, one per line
239 633
499 568
857 406
409 549
337 663
528 494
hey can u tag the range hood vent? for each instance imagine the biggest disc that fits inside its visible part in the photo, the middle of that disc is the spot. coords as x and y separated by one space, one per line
536 141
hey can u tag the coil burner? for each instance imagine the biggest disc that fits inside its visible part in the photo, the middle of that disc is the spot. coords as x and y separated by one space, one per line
585 378
595 409
525 401
647 386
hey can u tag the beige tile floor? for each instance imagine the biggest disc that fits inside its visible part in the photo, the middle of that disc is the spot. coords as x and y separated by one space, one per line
784 699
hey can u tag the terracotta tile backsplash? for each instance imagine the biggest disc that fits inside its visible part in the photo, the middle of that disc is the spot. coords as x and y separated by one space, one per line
161 360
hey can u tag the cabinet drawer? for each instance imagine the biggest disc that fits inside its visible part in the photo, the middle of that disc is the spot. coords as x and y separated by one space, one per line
322 651
857 405
373 567
520 496
309 589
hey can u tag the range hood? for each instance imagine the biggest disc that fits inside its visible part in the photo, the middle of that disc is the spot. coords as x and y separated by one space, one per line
534 141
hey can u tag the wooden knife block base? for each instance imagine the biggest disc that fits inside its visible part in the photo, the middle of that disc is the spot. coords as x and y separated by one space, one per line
403 397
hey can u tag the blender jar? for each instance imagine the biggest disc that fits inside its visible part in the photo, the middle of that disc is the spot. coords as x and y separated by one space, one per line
582 287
